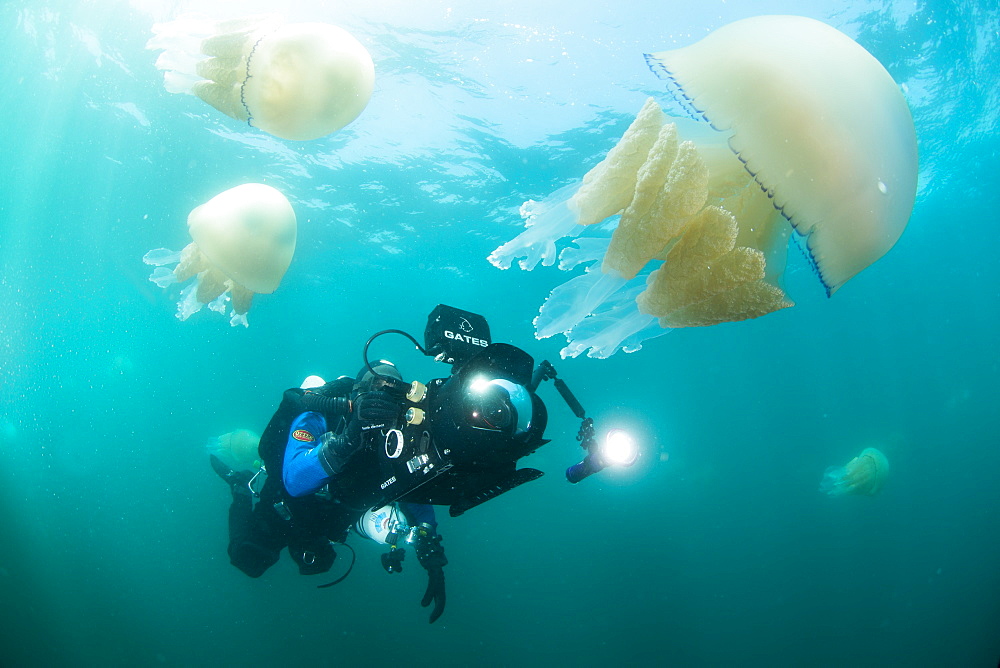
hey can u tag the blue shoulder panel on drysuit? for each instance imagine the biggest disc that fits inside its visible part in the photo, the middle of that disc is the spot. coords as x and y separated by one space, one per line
303 473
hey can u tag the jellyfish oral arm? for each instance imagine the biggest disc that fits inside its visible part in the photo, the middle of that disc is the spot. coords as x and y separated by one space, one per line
161 256
547 222
158 257
603 191
574 300
834 481
618 325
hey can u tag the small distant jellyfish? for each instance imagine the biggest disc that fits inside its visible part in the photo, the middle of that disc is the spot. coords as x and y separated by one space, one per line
242 243
297 81
237 449
865 474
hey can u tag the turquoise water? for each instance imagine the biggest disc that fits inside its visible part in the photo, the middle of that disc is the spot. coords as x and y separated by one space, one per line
717 549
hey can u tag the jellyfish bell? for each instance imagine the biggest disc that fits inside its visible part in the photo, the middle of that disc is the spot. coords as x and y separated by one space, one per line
297 81
242 243
248 233
802 134
864 475
237 449
820 124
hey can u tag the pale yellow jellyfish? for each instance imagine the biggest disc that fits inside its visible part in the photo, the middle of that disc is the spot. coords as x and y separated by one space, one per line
242 243
237 449
865 474
296 81
801 128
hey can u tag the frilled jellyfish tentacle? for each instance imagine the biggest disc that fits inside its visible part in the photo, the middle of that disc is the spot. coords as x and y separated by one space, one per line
834 481
188 304
159 257
618 325
547 221
574 300
586 250
602 192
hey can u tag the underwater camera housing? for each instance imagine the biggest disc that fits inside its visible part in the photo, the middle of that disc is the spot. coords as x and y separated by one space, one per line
456 440
454 336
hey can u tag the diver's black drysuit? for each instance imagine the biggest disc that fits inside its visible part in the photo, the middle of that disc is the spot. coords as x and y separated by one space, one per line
307 524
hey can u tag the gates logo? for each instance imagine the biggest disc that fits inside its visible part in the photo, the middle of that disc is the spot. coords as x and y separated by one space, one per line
303 435
465 338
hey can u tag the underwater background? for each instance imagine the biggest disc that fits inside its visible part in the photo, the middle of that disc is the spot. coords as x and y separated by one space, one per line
716 549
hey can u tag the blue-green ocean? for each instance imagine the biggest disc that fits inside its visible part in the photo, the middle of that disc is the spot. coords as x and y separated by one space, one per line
716 549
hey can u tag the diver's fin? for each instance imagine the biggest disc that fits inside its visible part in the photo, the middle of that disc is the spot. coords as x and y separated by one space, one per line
516 478
237 480
220 468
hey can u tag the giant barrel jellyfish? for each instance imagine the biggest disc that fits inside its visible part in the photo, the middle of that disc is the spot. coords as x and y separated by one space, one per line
237 449
296 81
687 223
242 242
865 474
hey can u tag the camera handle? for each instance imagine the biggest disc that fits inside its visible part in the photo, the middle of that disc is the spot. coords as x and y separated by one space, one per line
545 371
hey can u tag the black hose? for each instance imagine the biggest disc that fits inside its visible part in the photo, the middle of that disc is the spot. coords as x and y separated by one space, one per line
329 406
354 556
387 379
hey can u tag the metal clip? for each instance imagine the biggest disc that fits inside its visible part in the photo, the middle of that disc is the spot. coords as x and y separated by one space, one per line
416 463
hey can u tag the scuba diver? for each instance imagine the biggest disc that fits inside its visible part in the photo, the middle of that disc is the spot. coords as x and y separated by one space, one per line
307 443
375 453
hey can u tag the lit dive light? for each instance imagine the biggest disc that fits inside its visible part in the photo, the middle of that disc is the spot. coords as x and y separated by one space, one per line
617 449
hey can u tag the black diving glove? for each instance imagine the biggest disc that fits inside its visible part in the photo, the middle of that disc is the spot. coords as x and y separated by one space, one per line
431 557
335 450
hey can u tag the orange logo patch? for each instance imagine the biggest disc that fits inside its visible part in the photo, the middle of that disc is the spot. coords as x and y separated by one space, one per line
303 435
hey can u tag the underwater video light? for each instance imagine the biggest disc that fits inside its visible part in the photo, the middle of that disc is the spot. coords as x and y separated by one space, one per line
617 448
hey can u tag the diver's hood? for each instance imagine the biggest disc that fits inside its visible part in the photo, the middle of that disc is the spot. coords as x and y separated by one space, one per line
366 381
